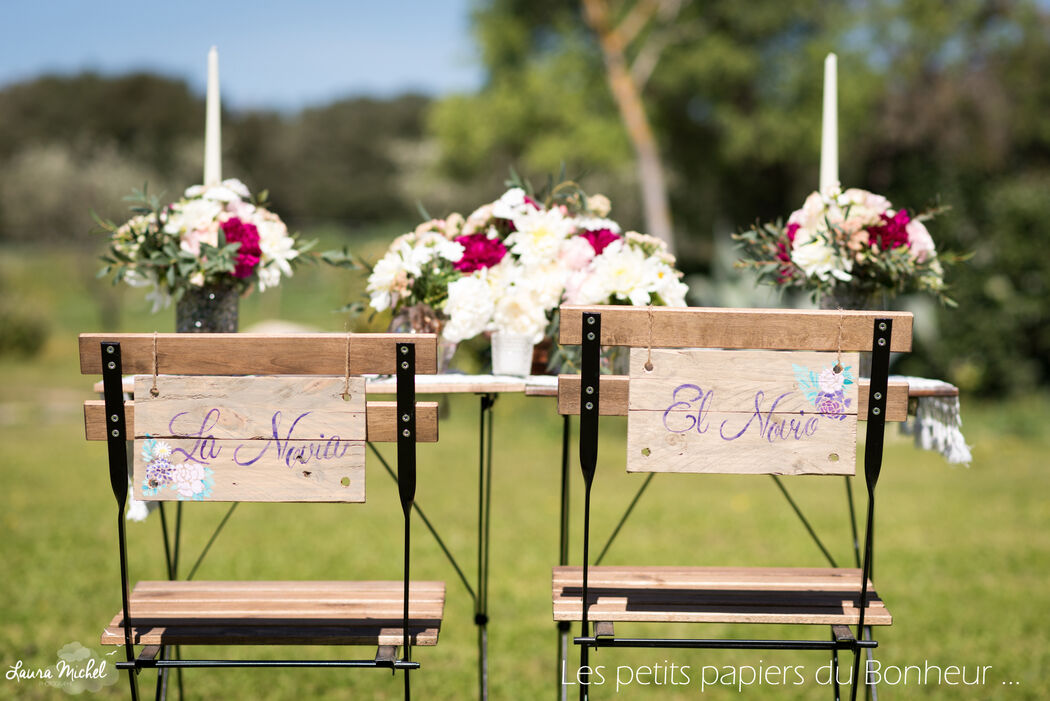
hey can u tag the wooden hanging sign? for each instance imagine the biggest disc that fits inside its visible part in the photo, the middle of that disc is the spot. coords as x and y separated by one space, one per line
249 439
742 412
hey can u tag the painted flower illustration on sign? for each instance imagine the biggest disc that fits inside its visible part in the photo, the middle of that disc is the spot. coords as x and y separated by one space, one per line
189 479
825 390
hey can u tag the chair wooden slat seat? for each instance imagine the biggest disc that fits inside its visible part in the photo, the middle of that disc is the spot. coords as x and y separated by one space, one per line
825 596
278 612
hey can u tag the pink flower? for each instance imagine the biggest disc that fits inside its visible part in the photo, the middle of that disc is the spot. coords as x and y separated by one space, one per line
249 254
919 241
576 253
892 232
599 239
479 251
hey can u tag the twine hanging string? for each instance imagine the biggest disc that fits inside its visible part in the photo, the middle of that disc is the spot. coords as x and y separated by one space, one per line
346 373
649 348
838 344
153 391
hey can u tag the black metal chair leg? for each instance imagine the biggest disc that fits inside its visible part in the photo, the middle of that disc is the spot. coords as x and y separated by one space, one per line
134 682
835 669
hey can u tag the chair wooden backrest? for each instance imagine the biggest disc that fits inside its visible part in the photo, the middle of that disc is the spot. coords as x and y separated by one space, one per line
741 391
257 418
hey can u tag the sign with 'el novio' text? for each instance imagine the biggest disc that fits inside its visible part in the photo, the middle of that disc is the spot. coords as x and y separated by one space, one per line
249 439
742 412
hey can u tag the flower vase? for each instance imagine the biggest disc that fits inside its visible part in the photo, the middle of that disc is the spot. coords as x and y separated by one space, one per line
208 309
422 318
511 354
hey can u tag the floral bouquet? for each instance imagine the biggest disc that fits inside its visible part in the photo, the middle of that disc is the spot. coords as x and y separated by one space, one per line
850 245
215 234
510 264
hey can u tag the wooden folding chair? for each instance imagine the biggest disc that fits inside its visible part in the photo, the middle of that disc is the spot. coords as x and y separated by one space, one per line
740 392
252 418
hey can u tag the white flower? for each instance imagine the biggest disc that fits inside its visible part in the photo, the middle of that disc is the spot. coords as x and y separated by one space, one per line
189 478
381 282
276 245
511 204
469 308
817 258
192 214
197 279
546 283
539 236
269 276
621 271
831 381
451 251
595 224
237 187
671 289
161 450
518 312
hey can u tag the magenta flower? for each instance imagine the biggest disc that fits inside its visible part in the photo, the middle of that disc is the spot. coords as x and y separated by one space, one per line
892 233
249 254
479 251
599 239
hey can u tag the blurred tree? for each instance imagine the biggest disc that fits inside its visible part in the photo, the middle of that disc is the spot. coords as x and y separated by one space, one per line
935 99
626 79
732 92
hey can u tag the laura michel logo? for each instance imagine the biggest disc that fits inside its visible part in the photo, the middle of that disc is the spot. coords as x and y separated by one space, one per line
78 669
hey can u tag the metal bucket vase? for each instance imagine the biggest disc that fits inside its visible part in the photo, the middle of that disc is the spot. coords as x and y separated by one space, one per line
208 309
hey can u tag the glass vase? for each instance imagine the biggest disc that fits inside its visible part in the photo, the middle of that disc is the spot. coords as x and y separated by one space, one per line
511 354
208 309
422 318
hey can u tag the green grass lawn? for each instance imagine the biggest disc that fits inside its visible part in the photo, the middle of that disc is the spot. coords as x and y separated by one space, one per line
963 554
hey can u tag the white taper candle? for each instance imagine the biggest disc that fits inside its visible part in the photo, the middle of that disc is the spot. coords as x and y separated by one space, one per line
213 124
829 141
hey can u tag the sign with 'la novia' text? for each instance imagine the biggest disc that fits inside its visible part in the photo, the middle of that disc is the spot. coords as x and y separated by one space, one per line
249 439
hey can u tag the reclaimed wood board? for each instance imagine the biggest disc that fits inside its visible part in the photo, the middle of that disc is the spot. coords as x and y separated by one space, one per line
249 439
677 327
742 412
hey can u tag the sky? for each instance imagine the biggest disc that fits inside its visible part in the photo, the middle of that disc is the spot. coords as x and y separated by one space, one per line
272 55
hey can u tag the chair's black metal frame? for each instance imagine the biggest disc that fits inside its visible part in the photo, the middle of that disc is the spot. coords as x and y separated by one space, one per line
841 639
159 657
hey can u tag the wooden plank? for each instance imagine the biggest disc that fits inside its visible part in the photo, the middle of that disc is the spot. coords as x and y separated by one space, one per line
258 354
741 412
614 391
736 376
716 595
205 469
675 577
771 329
276 407
325 612
380 416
